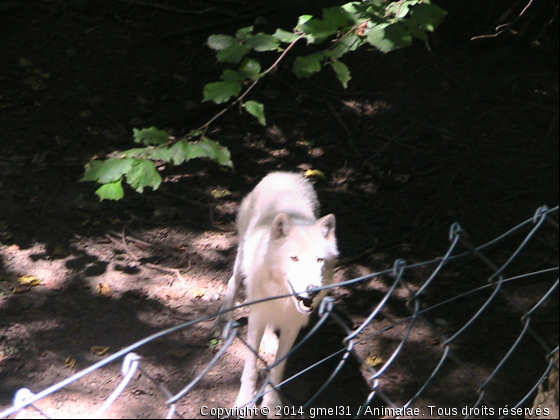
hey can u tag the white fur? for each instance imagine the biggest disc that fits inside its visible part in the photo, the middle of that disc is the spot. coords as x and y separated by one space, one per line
283 248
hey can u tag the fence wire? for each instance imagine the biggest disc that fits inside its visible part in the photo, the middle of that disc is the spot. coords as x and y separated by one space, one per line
500 258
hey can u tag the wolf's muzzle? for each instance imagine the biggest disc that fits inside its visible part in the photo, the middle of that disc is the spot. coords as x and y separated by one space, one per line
304 301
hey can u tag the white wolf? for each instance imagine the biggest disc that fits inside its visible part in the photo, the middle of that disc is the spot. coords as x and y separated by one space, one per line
283 249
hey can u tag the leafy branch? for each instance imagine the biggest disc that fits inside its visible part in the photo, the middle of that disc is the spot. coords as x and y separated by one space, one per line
254 108
374 22
138 166
385 26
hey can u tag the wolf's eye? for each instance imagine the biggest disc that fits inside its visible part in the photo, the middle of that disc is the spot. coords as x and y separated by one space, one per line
319 260
295 258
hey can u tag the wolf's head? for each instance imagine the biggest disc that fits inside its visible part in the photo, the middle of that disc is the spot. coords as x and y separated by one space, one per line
303 256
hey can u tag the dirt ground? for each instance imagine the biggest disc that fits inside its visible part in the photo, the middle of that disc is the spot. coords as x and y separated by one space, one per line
467 132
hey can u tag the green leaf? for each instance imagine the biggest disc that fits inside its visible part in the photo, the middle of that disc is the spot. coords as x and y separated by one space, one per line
112 191
159 153
230 75
143 173
233 53
400 9
220 92
349 43
162 153
388 37
309 65
428 16
151 135
256 109
184 151
374 10
179 152
302 19
415 30
338 16
285 36
318 30
262 42
110 170
250 68
342 72
244 33
351 8
216 152
220 42
136 152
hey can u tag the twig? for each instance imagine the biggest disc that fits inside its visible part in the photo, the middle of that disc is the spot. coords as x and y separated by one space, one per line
391 140
48 15
109 117
351 30
502 28
135 257
349 135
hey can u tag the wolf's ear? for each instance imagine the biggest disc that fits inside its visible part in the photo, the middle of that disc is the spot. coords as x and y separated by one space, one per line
327 225
281 226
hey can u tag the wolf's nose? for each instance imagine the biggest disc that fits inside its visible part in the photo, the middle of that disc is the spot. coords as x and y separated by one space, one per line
310 292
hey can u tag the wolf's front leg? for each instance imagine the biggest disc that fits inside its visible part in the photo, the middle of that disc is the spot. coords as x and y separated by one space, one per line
272 398
229 298
255 331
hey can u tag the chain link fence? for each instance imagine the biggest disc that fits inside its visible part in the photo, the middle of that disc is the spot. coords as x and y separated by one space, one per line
458 302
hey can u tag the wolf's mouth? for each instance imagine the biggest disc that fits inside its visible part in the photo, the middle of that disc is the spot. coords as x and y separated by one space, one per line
304 305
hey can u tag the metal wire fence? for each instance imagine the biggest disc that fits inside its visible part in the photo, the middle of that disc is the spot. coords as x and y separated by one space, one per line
508 275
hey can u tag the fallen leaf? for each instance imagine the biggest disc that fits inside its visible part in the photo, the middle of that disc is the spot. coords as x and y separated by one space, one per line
315 173
402 178
103 289
60 252
199 293
70 362
374 361
100 350
42 75
220 192
35 83
29 281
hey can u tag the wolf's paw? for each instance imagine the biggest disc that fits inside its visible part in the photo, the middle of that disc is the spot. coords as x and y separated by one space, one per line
219 330
272 401
245 402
